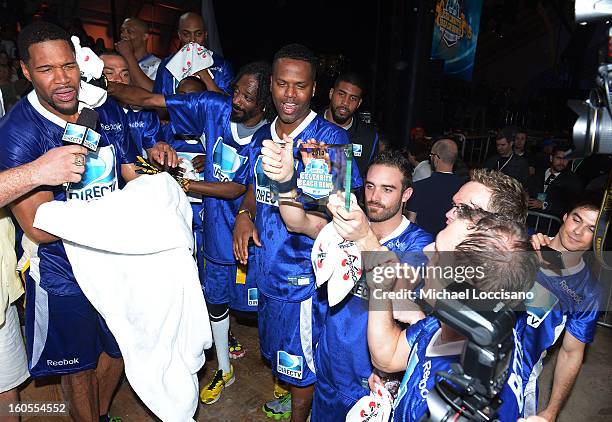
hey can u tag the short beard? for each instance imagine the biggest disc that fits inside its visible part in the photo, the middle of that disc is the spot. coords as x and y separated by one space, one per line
64 111
238 118
339 120
386 214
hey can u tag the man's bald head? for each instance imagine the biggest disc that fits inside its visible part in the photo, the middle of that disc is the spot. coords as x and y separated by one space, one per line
192 28
446 150
139 23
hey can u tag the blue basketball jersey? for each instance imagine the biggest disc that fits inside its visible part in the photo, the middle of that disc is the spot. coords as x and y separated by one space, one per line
29 131
283 264
342 357
221 69
144 127
568 300
208 114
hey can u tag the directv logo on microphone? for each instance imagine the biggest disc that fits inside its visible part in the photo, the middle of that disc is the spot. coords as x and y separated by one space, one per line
74 133
92 139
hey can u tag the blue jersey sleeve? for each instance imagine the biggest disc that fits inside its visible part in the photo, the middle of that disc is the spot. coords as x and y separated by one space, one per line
582 324
189 113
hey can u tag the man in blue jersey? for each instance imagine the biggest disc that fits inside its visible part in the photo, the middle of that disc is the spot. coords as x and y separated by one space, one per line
290 311
341 382
225 125
218 77
479 239
65 335
133 47
143 124
567 296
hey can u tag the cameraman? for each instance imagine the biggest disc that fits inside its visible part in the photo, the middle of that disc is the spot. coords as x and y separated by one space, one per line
479 239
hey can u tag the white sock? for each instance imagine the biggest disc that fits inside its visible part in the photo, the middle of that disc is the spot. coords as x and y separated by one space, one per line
220 332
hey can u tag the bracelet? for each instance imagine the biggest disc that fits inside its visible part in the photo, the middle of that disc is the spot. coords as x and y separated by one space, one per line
243 211
290 195
287 186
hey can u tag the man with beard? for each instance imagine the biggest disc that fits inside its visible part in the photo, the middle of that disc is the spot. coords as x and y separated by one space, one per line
344 100
133 47
218 77
226 126
290 311
64 333
342 382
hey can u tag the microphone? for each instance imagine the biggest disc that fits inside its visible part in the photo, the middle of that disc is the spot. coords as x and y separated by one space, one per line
83 132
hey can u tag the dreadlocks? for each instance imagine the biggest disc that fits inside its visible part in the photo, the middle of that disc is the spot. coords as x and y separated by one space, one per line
262 71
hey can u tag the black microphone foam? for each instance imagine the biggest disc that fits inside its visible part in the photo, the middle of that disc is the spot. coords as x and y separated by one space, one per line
88 118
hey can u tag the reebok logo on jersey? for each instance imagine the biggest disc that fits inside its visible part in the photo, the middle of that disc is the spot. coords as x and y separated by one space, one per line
63 362
137 125
115 127
423 382
570 292
289 365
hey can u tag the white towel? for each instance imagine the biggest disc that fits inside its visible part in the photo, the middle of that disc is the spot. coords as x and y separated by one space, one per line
189 60
373 408
91 67
131 255
336 261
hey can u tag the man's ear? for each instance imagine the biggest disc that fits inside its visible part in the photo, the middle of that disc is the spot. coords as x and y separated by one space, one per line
314 88
406 195
359 105
331 93
25 70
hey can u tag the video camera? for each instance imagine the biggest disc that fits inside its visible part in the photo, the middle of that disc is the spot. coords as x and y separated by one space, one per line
470 392
592 132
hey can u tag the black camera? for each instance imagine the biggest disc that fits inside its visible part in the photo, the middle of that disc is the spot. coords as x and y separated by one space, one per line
592 132
471 391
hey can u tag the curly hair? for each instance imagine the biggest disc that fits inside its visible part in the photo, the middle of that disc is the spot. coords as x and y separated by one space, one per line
508 197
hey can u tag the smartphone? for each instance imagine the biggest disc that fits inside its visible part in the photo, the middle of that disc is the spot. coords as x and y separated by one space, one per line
552 257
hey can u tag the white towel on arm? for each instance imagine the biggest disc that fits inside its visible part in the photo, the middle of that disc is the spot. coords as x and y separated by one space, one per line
131 253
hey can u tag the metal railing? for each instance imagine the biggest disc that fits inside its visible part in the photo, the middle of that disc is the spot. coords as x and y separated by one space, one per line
543 223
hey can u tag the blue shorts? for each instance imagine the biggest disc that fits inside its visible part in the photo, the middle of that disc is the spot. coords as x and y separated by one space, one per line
64 334
288 334
232 285
328 404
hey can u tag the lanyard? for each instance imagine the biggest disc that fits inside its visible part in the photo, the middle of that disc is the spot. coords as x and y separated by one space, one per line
507 161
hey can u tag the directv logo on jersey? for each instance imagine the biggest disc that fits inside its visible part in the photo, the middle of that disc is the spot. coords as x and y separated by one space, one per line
540 306
226 161
289 365
253 297
99 178
262 185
